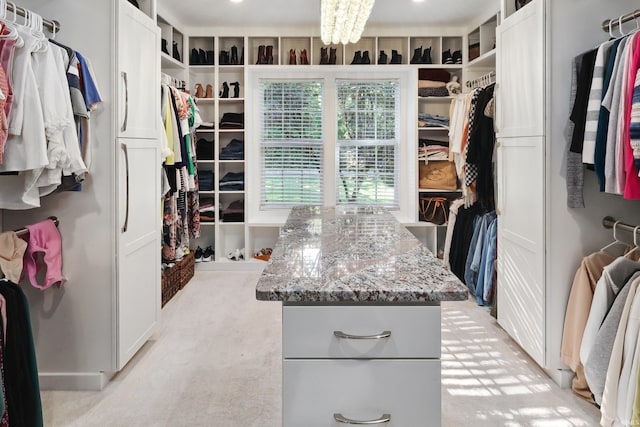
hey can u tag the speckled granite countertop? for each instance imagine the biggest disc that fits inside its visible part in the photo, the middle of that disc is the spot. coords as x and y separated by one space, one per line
349 254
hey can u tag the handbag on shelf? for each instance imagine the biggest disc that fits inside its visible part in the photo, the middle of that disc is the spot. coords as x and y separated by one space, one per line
438 175
434 209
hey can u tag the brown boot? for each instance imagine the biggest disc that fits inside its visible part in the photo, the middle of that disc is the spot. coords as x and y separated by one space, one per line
209 92
199 91
292 57
303 57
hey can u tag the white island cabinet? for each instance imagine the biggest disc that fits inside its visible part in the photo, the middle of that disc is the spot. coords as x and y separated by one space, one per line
361 319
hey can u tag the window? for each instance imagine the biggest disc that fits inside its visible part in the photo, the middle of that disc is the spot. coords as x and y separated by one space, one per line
330 137
291 143
367 142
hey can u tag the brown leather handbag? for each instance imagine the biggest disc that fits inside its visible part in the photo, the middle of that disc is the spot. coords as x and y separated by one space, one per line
434 209
438 175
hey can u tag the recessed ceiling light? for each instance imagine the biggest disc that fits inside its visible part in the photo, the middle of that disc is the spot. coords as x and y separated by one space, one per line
236 1
418 1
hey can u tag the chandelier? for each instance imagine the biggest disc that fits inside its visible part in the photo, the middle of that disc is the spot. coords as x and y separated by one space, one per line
343 20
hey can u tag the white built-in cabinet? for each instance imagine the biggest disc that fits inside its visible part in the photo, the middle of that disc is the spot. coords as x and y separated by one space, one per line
111 231
540 240
521 178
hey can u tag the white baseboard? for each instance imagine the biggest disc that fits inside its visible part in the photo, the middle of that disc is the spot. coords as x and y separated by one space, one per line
90 381
562 377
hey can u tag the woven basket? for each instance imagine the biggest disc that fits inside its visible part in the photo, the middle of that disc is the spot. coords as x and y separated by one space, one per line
170 283
187 266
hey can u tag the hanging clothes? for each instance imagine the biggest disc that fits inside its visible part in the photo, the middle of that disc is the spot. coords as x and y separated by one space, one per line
181 210
20 380
605 126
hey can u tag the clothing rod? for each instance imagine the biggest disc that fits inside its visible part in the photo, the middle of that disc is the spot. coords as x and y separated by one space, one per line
22 231
609 222
616 22
53 26
481 79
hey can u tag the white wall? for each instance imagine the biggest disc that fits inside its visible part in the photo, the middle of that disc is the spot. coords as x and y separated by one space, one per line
573 233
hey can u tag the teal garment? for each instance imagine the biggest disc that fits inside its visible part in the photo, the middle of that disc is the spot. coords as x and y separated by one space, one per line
33 366
603 120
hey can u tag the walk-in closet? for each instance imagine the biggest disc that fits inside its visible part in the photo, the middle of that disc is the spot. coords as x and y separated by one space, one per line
319 212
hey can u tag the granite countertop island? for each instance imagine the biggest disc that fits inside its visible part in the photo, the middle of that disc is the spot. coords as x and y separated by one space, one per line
351 255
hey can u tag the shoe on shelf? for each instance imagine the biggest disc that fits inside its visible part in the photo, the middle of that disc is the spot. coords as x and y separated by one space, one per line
304 60
426 56
365 58
198 254
176 51
234 56
164 46
382 59
195 57
324 56
417 55
199 91
446 57
357 58
224 92
203 56
209 92
292 57
333 55
396 58
457 57
236 89
208 254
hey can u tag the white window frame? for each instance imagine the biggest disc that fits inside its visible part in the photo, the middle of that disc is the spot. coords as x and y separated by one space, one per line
407 174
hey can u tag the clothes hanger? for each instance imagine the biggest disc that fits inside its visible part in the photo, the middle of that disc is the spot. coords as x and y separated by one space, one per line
635 242
615 238
13 31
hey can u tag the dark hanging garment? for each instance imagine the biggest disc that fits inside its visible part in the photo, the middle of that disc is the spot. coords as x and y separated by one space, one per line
21 384
579 111
461 239
481 150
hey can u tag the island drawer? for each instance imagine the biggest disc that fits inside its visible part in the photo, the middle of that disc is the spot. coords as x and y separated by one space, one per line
363 390
368 332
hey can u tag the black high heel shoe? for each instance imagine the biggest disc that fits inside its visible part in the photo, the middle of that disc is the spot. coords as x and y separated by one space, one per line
236 89
224 93
164 46
365 58
324 57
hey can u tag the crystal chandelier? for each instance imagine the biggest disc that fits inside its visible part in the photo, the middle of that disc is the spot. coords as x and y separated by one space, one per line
343 20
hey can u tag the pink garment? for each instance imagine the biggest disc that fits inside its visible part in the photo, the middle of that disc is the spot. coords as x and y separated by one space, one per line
632 182
44 237
6 58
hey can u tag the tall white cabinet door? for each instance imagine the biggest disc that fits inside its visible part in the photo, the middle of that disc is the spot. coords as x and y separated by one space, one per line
138 66
138 289
520 69
521 267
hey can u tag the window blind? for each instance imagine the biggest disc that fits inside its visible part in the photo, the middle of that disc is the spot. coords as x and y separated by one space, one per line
291 143
368 120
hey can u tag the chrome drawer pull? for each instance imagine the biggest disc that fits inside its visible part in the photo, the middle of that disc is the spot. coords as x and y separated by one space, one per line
382 420
340 334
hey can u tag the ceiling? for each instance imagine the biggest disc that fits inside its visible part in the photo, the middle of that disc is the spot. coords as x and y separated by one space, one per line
251 13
